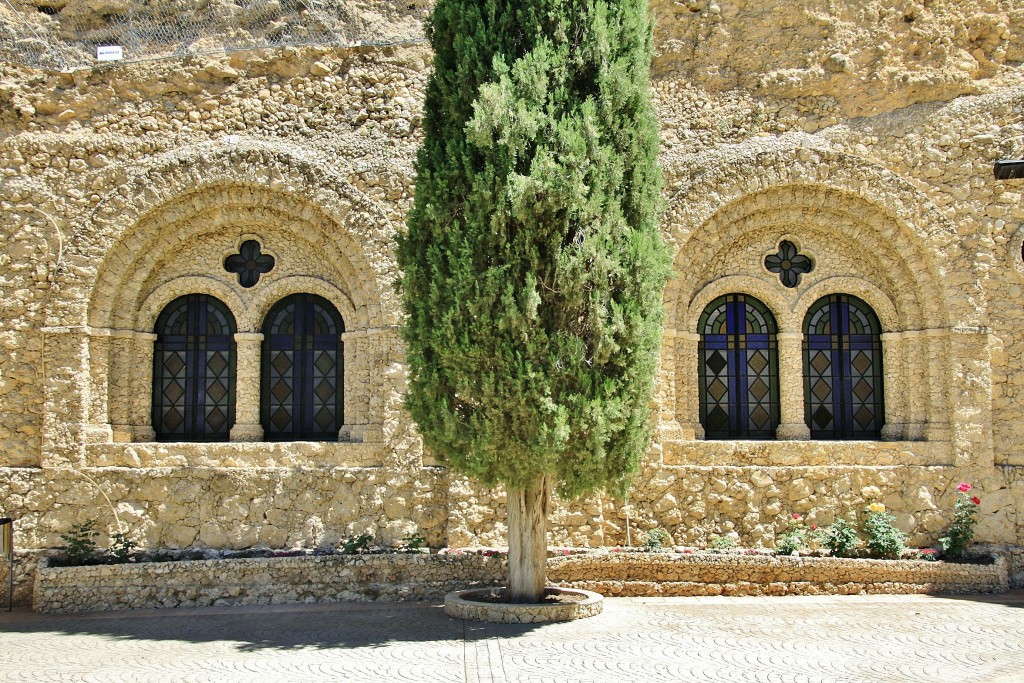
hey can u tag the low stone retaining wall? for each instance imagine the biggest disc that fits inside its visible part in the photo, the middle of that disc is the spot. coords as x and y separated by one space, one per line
667 574
335 578
261 581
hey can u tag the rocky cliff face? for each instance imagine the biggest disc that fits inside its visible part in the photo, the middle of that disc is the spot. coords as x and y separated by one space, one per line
855 58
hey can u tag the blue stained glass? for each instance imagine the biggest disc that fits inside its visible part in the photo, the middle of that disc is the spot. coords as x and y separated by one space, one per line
843 369
739 376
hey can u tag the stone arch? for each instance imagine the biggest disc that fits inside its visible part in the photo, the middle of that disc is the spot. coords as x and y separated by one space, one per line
180 186
880 303
873 235
295 284
149 311
167 229
756 287
803 182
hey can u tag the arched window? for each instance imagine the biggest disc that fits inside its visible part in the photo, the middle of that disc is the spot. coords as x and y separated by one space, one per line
843 369
194 370
739 369
303 370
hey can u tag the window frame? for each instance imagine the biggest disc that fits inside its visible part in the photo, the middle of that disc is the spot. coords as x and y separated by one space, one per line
304 386
196 344
844 348
735 341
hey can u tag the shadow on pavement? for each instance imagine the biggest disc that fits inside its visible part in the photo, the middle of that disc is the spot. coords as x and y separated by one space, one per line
1013 598
285 627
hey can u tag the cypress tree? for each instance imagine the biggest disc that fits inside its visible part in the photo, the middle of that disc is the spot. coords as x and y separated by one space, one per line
532 265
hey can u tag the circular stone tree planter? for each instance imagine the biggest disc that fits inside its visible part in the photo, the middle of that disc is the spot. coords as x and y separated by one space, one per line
481 604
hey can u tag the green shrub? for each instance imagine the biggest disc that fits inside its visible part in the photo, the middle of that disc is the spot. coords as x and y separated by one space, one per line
657 539
121 547
356 545
794 538
961 532
884 540
412 543
80 548
722 543
841 538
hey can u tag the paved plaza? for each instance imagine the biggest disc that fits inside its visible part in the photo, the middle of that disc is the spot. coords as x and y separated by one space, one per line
850 639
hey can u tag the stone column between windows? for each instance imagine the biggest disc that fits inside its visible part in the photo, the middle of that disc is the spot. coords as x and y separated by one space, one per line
915 384
248 346
791 387
688 384
130 385
665 391
98 429
894 393
938 428
369 353
140 388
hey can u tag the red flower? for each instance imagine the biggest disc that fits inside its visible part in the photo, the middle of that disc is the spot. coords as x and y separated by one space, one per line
796 515
976 500
964 487
814 527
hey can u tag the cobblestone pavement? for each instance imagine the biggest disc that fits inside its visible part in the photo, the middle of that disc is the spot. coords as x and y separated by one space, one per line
849 639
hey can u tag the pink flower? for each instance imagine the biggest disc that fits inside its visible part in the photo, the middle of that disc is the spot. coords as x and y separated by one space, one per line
964 487
796 515
976 500
565 552
814 527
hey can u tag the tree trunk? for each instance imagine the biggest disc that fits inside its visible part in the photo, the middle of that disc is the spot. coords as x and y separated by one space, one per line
527 541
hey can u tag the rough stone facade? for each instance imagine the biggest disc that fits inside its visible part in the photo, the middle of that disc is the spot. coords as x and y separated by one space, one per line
863 134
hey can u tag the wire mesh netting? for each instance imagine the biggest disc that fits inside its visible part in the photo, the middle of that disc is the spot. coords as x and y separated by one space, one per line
66 34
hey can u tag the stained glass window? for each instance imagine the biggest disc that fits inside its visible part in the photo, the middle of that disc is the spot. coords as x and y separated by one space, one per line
194 370
739 369
843 369
303 370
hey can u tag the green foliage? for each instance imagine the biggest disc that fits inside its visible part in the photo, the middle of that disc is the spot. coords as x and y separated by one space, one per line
723 543
841 538
121 547
80 548
960 532
883 539
356 545
412 543
657 539
794 538
533 268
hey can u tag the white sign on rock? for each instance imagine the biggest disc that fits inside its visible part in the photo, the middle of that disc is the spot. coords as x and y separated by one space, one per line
109 53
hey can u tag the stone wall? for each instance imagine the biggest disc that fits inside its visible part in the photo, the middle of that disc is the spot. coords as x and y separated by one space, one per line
667 575
201 583
866 137
430 577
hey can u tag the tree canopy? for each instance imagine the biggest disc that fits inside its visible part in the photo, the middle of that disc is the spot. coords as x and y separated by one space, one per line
532 265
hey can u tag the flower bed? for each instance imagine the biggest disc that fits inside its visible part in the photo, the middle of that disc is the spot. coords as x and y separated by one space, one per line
331 578
680 574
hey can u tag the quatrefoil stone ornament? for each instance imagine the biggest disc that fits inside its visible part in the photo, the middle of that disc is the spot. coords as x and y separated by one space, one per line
788 264
249 263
